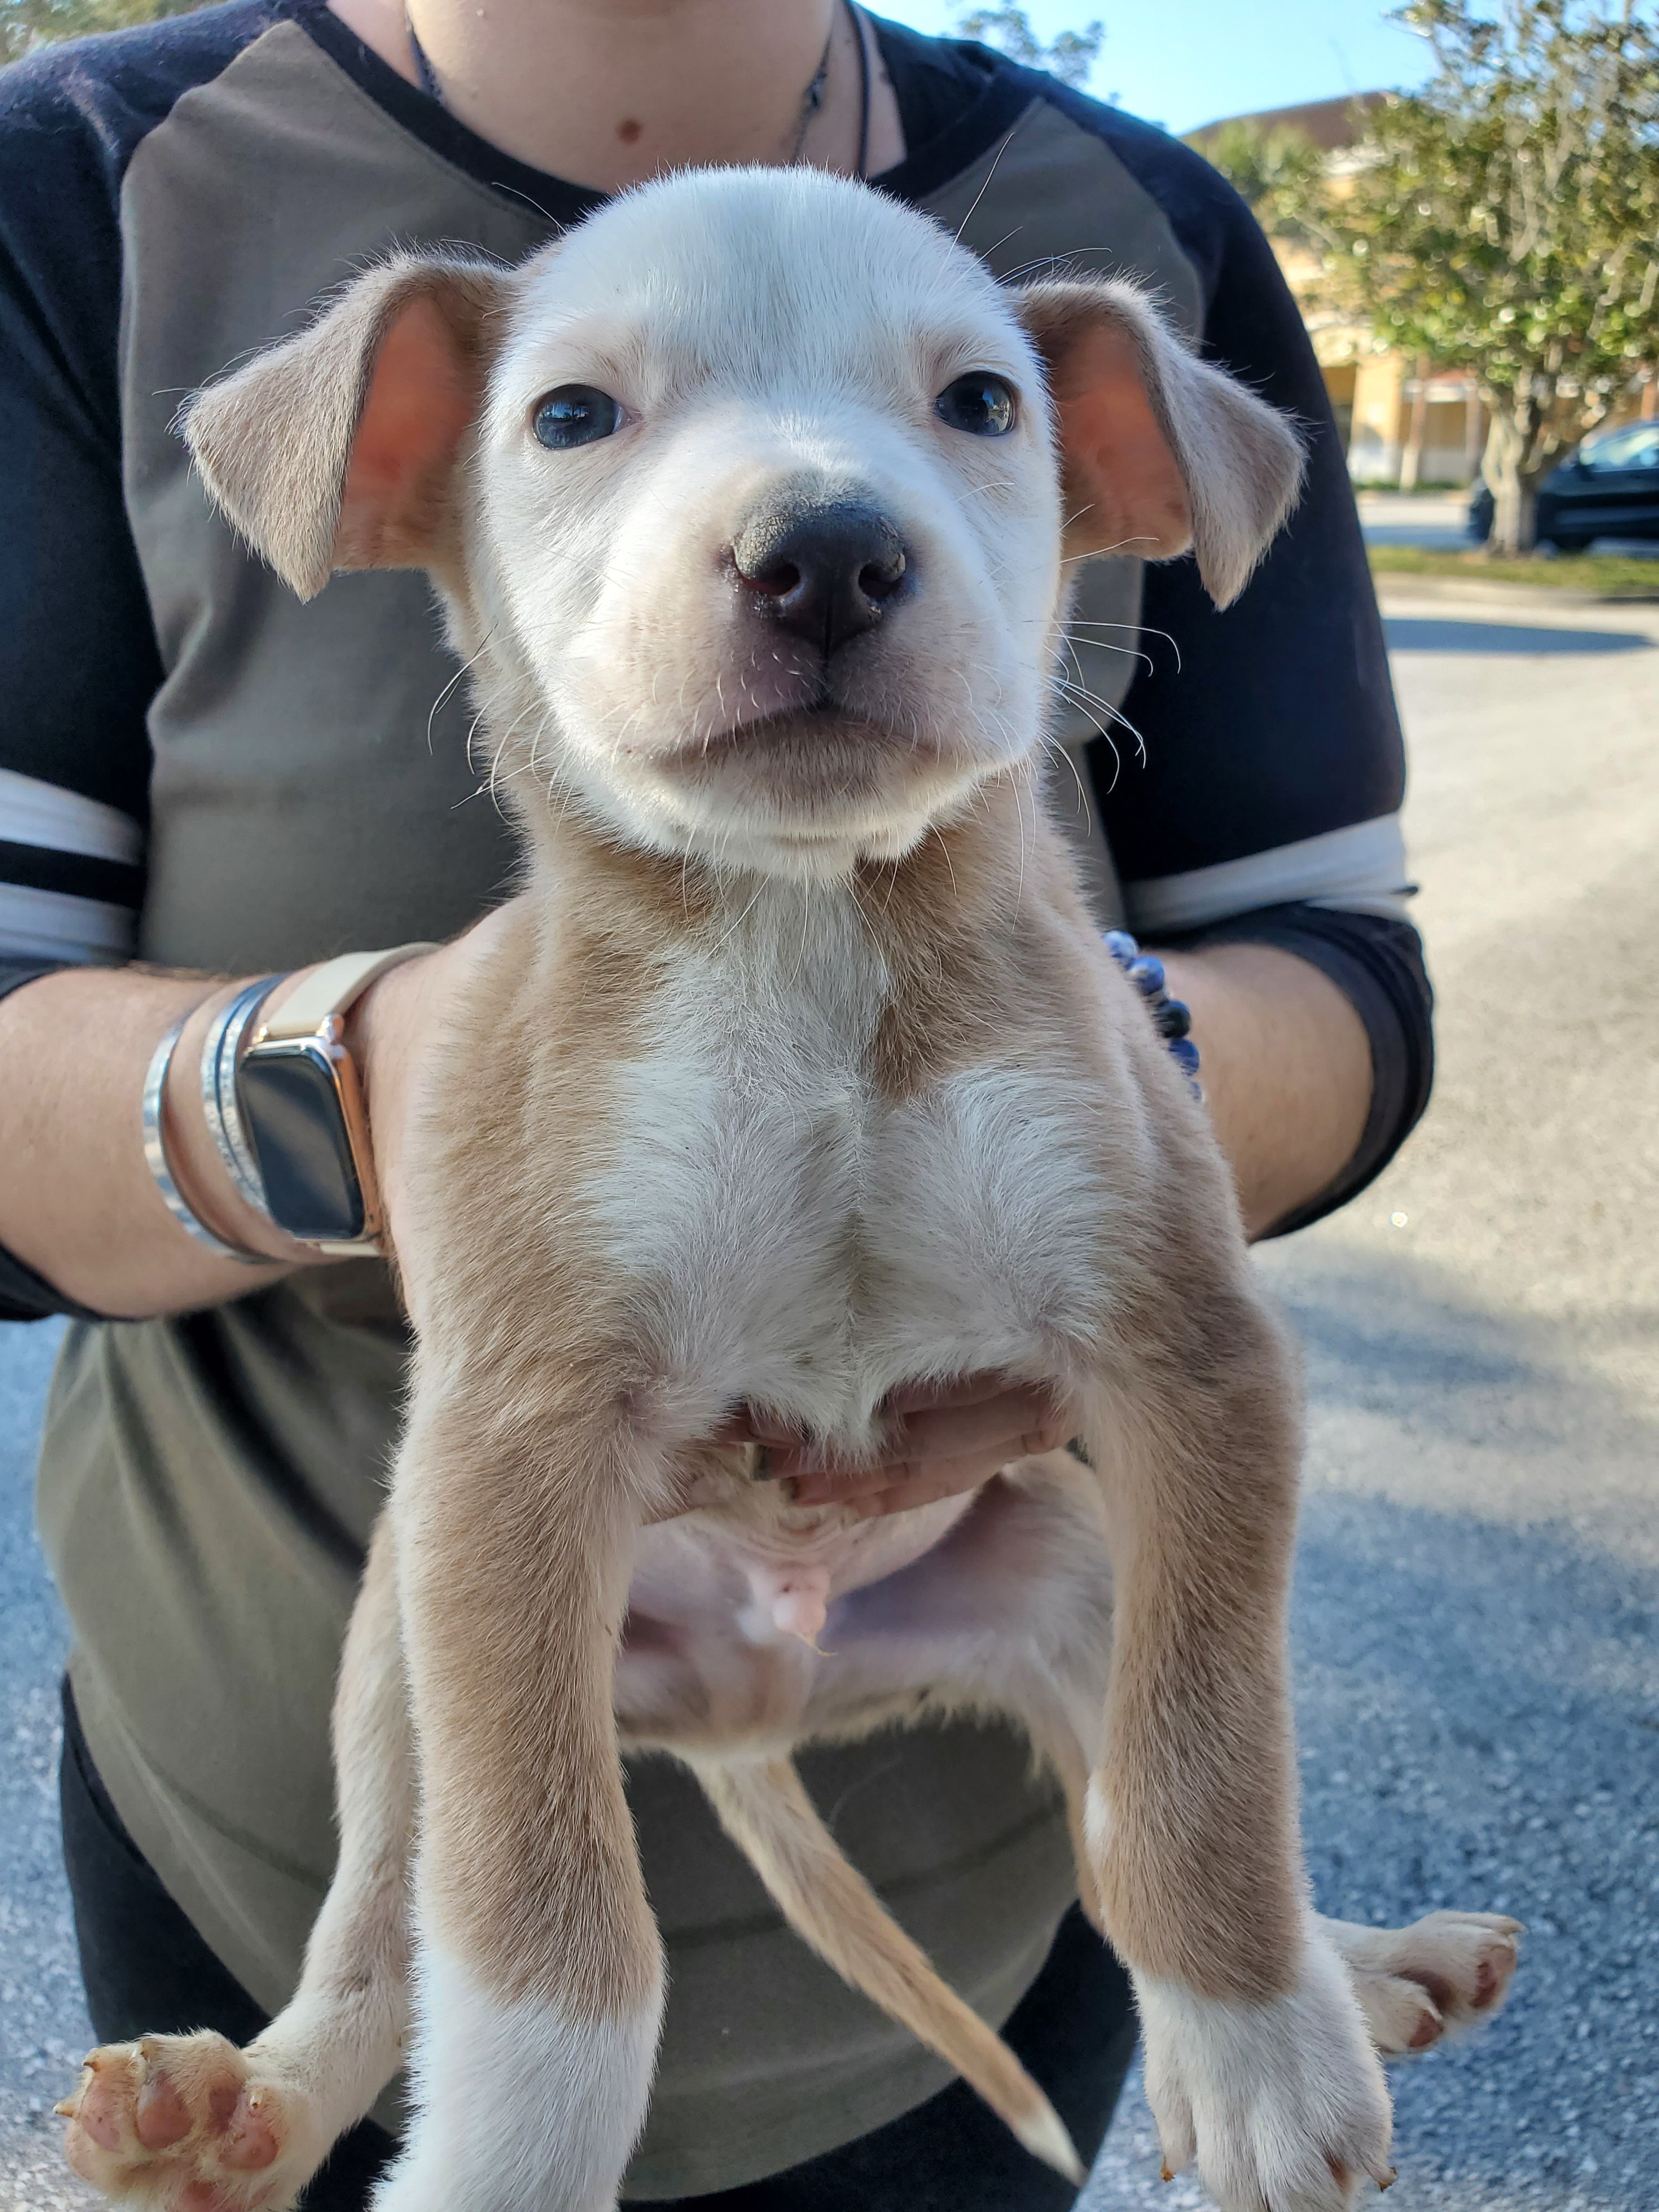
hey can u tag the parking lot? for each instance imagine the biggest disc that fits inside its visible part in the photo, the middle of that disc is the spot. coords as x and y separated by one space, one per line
1477 1628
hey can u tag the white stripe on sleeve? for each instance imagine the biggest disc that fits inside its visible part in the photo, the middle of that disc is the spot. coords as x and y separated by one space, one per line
37 925
36 813
1358 870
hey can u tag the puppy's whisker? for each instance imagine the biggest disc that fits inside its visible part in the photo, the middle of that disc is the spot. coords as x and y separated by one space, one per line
989 174
1053 745
1103 730
1143 629
466 666
1102 552
1084 697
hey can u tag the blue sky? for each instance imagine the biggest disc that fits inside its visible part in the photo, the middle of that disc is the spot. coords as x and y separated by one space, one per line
1182 62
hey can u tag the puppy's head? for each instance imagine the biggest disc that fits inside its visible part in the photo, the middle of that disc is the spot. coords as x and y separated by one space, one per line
751 499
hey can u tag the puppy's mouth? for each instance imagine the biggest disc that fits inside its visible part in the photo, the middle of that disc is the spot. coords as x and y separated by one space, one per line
788 740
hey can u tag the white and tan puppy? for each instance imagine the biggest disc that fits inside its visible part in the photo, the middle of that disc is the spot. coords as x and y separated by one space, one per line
800 1074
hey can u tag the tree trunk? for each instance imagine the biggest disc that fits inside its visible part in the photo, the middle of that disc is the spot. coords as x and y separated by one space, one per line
1514 487
1514 521
1417 436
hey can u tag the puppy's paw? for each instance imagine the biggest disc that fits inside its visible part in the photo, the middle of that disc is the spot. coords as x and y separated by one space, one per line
179 2123
1447 1972
1282 2103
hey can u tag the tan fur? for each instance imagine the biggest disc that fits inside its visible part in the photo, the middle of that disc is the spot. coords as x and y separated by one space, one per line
801 1074
769 1816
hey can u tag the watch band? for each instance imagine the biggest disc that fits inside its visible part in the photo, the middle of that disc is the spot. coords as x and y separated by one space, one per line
306 1031
329 990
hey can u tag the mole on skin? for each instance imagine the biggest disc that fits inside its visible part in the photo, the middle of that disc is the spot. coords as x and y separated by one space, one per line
627 130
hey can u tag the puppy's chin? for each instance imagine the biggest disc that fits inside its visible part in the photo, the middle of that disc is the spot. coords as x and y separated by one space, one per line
808 794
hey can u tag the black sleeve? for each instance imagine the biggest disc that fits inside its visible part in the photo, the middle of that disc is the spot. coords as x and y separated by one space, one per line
78 658
25 1296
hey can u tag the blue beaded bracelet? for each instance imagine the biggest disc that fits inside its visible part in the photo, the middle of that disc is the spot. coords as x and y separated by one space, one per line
1174 1019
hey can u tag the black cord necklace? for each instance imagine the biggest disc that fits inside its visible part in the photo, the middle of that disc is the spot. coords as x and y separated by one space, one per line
811 99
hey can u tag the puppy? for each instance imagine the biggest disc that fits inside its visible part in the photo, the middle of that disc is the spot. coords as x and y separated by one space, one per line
800 1073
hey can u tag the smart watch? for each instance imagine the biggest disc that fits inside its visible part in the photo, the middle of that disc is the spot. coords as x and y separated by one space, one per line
301 1102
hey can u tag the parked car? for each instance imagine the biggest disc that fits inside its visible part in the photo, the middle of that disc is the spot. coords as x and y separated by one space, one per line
1610 488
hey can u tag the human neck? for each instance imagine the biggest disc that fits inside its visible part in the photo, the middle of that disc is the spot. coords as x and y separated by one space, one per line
608 93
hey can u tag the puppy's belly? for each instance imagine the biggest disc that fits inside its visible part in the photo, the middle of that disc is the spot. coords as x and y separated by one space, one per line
730 1613
921 1603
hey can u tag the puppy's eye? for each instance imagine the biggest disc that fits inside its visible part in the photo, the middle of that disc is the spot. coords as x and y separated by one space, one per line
575 415
979 402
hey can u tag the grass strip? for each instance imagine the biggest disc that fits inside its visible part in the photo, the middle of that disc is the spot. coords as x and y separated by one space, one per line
1610 575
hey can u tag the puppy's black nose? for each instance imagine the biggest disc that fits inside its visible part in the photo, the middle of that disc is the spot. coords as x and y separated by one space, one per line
825 573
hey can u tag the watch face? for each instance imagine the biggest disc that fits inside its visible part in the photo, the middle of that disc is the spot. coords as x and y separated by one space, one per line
290 1102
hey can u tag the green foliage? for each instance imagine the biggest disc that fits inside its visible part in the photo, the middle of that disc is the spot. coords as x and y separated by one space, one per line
1278 172
25 24
1070 56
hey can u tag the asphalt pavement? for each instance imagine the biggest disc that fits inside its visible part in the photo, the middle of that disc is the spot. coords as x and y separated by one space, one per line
1437 520
1477 1622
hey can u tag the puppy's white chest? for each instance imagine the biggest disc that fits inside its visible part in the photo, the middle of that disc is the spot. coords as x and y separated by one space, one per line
807 1243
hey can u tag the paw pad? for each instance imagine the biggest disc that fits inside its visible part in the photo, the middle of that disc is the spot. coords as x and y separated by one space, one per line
174 2123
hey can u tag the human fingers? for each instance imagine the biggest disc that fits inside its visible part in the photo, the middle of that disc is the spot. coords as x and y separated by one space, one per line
965 1471
956 1390
946 1479
986 1435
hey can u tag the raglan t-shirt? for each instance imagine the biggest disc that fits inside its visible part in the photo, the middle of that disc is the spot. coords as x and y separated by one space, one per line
198 770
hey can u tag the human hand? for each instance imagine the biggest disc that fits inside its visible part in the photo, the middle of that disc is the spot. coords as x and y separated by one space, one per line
944 1438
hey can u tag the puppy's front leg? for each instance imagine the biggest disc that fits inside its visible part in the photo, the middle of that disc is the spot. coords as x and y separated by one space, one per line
1257 2060
178 2120
540 1973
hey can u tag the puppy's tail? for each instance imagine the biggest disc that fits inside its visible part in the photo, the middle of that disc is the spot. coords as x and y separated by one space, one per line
765 1811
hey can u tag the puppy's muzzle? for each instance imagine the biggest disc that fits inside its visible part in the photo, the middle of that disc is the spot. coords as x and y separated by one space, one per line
825 572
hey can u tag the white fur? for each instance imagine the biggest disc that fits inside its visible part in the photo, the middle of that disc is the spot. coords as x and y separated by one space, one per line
819 376
1097 1821
520 2107
1266 2094
811 1244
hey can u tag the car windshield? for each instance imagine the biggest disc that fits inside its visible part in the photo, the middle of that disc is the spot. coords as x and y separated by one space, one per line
1636 447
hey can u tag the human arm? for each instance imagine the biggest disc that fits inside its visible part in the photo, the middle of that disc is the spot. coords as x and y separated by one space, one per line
1286 1070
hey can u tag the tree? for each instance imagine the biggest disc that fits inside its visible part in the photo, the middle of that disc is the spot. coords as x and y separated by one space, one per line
1277 171
1505 221
25 24
1070 56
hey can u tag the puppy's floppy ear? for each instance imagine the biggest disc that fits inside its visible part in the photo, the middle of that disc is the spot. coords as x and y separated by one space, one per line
1160 451
337 448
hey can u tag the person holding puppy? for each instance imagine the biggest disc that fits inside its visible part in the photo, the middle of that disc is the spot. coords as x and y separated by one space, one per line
229 785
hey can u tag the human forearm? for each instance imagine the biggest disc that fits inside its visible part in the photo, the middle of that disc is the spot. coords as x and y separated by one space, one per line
77 1203
1286 1069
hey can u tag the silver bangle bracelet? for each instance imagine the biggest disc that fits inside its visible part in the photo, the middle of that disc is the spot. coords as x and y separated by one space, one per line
220 1049
155 1155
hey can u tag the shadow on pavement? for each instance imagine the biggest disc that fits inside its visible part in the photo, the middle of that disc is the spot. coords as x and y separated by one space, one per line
1427 633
